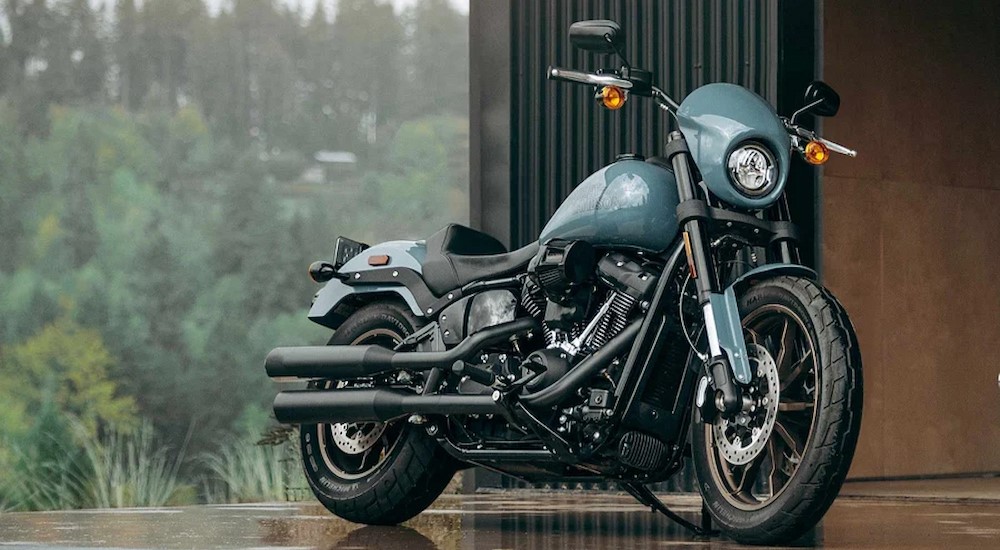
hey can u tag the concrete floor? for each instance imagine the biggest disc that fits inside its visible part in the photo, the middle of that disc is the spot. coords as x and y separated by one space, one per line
938 514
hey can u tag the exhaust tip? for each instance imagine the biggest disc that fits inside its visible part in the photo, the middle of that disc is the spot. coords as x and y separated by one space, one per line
274 362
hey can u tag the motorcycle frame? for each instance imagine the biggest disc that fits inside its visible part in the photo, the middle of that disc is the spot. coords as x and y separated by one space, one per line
700 222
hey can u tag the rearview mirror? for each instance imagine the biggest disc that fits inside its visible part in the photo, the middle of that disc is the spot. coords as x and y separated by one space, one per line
598 35
823 99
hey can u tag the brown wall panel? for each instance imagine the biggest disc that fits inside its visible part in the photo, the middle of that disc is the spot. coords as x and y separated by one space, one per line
853 252
911 236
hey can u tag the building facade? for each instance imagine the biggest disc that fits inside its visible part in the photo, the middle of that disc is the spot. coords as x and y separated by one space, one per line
907 234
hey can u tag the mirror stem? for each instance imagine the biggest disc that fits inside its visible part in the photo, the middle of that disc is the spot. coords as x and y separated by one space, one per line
805 109
618 51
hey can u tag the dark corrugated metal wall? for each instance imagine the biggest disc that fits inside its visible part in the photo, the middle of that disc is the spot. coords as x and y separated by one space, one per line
559 134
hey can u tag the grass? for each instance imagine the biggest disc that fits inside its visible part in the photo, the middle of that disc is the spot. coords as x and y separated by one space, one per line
127 470
62 465
71 468
244 471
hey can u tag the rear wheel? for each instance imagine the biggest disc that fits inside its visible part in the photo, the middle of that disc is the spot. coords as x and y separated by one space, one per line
768 474
379 473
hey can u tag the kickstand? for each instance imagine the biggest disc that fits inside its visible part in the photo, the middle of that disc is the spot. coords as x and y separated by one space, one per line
647 497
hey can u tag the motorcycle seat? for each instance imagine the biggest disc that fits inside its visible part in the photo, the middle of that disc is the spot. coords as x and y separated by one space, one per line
458 255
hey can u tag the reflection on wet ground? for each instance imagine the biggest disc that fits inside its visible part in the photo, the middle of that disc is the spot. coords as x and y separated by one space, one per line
491 521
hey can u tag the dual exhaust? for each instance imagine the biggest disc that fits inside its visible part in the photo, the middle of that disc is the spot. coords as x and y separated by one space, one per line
343 362
384 404
372 405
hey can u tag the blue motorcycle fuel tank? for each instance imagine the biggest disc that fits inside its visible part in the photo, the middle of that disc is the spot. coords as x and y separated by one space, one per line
628 204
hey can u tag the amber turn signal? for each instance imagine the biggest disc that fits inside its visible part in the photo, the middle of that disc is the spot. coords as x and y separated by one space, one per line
816 153
613 97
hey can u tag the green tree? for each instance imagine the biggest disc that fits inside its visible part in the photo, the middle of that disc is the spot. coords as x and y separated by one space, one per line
166 28
367 40
19 191
27 19
127 49
87 52
424 186
68 364
439 58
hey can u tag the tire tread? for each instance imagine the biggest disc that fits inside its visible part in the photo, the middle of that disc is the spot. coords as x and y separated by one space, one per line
413 479
832 448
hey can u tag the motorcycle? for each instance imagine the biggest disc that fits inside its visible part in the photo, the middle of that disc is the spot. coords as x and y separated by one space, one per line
662 315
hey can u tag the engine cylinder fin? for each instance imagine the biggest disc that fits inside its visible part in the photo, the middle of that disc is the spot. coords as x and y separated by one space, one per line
642 451
613 322
533 301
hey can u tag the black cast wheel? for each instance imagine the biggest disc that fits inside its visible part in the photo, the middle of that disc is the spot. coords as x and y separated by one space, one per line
770 472
378 473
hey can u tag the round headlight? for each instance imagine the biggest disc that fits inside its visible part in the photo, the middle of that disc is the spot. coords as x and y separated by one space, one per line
752 169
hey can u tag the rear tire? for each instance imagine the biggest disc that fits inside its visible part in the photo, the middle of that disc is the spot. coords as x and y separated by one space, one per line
778 496
412 469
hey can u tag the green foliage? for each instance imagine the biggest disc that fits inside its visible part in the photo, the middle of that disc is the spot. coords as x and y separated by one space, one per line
440 47
157 218
128 469
243 471
43 465
69 365
62 464
425 187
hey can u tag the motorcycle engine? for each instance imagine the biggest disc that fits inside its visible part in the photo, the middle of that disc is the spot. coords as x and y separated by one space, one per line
583 298
583 301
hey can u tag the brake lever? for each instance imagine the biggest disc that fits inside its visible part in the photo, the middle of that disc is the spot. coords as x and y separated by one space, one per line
535 369
811 136
837 148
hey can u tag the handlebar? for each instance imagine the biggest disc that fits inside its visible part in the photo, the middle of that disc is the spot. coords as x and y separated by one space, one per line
811 136
569 75
594 79
838 148
580 77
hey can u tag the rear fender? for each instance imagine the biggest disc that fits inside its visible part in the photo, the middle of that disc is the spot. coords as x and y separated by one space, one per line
327 305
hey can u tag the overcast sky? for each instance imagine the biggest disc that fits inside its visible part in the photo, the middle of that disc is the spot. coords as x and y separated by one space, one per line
310 5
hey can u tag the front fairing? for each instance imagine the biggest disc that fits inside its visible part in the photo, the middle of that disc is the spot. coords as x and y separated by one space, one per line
716 119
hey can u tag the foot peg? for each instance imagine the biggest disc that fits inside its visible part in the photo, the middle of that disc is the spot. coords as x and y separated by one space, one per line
475 373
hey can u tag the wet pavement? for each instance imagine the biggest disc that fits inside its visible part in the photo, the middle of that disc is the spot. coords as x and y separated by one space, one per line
866 517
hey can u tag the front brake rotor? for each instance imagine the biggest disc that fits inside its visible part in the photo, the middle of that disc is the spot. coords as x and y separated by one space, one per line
741 437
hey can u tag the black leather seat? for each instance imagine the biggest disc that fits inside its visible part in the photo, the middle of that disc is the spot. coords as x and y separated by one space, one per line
458 255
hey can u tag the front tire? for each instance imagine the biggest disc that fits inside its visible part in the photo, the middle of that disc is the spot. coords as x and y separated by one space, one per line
374 473
769 477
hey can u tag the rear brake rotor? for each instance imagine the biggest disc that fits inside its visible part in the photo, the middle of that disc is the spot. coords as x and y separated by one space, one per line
354 438
742 437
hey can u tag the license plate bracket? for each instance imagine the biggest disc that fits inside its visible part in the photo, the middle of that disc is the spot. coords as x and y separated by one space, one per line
346 249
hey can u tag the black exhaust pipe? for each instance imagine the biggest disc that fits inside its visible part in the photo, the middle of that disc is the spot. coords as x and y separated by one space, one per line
338 362
587 369
372 405
381 405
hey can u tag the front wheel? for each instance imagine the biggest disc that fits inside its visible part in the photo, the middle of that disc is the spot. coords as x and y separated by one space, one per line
769 473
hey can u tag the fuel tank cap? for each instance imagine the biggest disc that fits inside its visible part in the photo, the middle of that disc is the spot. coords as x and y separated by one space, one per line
630 156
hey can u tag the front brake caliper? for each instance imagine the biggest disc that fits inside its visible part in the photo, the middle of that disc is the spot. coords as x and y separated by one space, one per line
705 400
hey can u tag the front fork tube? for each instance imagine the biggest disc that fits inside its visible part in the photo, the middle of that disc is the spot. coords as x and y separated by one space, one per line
787 253
728 363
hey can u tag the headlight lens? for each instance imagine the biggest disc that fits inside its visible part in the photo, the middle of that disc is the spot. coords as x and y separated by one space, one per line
753 169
